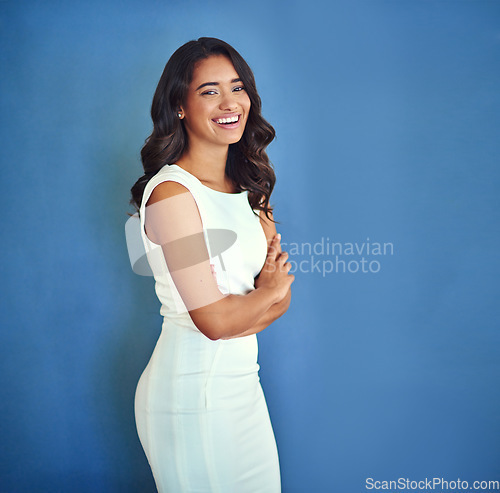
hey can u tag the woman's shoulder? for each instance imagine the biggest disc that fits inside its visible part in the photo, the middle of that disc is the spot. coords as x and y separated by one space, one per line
167 182
165 190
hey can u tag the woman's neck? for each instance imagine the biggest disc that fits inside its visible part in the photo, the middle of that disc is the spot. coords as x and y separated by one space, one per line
208 165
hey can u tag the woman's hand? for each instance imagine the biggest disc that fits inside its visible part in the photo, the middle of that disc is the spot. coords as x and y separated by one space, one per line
274 275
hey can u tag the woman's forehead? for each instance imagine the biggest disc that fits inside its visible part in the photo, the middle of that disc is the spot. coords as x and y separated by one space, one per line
217 68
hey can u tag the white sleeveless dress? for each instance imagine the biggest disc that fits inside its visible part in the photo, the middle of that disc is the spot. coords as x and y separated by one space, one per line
201 414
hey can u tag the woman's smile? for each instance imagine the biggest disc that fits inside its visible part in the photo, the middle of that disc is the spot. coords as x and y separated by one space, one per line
228 121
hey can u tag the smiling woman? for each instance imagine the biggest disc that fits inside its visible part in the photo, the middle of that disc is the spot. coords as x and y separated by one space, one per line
201 413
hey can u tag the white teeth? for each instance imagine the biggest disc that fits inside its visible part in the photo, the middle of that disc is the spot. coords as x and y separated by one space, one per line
233 119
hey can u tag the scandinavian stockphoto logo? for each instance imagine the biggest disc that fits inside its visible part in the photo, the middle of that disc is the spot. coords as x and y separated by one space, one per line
322 257
219 240
327 257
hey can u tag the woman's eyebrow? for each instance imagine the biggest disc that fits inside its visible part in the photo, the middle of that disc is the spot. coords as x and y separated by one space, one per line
215 83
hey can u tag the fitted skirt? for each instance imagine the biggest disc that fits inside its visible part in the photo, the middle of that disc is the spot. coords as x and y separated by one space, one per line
202 417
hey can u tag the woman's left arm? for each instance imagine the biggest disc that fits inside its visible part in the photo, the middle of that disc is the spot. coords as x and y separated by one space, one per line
278 309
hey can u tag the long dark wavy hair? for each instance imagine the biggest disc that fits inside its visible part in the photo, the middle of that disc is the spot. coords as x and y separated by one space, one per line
247 166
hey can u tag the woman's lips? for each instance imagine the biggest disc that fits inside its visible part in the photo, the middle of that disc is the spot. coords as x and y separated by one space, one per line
229 125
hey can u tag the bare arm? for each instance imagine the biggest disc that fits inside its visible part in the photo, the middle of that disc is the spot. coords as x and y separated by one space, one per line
234 315
173 221
272 314
277 309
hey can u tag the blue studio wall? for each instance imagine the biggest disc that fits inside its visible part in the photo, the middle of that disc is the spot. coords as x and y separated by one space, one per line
387 119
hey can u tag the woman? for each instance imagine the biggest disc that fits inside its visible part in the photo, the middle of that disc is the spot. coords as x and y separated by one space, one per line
205 217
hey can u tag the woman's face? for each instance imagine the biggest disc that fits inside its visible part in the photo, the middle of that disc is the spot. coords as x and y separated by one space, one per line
216 95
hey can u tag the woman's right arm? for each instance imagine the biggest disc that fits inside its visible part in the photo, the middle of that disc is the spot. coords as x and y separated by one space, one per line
173 221
248 314
266 319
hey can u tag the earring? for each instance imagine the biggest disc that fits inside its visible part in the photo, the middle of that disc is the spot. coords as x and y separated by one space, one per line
179 115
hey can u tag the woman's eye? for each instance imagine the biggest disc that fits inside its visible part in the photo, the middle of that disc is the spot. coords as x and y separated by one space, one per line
211 92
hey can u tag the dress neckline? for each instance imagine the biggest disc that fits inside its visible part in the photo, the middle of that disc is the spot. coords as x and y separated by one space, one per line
207 187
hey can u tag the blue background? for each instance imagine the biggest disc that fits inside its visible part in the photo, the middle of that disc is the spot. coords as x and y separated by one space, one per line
387 116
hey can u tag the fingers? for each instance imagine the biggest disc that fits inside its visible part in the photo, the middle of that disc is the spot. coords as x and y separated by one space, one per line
276 258
275 244
278 246
282 258
282 262
274 247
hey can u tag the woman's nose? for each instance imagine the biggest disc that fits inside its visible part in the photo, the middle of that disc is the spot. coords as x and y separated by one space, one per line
228 101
